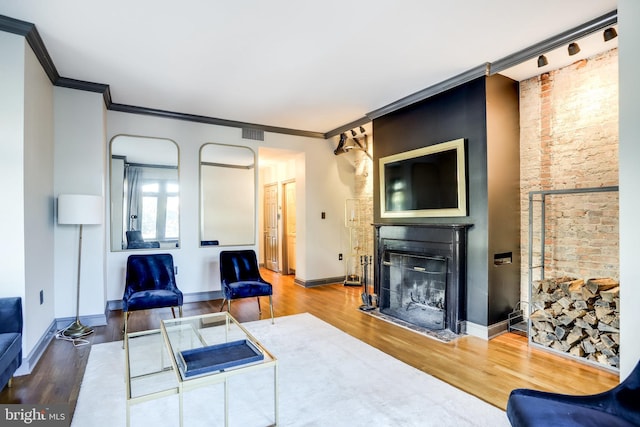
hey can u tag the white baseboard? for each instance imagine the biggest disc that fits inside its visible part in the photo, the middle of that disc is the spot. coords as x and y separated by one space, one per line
485 332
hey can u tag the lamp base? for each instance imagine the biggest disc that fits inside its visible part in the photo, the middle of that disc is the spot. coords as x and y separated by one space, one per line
77 330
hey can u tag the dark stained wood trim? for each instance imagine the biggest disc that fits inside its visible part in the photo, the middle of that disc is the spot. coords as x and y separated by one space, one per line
210 120
86 86
30 33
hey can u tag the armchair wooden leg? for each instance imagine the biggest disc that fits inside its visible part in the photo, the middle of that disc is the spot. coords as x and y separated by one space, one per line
10 382
259 309
271 308
228 307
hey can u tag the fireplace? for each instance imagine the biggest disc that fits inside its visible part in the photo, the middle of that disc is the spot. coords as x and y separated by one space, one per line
420 274
413 288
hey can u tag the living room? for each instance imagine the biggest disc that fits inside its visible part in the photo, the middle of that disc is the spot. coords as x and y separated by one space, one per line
66 124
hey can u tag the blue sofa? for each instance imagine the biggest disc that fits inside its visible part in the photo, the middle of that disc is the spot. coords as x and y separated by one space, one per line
10 338
618 407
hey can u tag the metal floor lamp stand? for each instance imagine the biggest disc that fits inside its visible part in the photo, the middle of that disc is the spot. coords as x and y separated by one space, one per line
77 329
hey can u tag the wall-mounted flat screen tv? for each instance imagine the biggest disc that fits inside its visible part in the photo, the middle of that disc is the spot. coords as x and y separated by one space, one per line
426 182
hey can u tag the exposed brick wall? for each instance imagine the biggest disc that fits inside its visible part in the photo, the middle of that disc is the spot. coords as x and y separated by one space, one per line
569 139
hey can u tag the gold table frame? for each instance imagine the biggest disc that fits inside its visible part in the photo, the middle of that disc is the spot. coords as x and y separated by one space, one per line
152 370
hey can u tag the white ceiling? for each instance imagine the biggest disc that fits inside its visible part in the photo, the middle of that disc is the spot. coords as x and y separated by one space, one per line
312 66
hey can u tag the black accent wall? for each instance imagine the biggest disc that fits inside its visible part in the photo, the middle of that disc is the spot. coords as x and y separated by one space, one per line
484 112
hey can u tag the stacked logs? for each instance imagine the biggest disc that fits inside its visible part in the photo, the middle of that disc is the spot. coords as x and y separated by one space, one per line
582 319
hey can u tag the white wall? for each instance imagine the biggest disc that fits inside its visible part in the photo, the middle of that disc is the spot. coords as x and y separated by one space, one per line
80 164
38 202
12 279
318 189
629 64
26 171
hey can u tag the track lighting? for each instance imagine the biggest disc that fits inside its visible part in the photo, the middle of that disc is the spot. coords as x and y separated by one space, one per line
362 129
542 61
610 34
353 133
573 49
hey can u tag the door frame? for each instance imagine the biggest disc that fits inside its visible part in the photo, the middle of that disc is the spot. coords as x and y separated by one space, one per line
286 269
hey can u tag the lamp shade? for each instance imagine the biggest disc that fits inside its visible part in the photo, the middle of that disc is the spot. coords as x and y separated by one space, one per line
79 209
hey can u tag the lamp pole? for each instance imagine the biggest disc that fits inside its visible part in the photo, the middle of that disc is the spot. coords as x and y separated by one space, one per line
77 329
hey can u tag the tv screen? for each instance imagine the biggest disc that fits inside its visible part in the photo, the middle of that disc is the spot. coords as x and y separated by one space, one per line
429 181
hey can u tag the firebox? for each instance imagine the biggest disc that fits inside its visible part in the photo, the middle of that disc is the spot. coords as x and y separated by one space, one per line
420 274
414 289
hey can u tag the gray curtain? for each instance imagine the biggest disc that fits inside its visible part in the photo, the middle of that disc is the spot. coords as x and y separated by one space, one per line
132 176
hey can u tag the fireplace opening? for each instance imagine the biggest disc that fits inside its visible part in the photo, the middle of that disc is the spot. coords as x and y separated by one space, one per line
414 288
420 275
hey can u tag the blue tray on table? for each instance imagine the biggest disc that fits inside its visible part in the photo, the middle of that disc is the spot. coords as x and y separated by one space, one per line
218 357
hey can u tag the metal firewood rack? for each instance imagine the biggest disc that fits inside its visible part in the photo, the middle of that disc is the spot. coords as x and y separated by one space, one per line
540 197
516 321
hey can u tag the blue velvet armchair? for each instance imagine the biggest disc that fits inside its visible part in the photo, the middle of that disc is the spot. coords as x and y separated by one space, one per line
617 407
150 283
10 338
240 278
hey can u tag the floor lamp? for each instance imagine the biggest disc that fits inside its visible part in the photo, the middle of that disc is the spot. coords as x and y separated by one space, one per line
79 209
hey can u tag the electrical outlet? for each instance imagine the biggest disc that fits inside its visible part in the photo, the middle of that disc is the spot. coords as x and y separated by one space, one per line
41 296
339 257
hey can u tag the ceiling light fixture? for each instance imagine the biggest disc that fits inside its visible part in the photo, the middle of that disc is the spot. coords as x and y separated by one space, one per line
573 49
610 34
542 61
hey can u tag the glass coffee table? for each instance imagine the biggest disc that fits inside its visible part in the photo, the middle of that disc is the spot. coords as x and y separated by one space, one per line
192 352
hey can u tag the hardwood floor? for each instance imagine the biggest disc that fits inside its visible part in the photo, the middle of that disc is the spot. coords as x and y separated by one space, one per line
486 369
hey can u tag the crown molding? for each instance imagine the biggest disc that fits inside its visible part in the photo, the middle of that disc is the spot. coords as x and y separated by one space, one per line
551 43
467 76
86 86
352 125
210 120
30 33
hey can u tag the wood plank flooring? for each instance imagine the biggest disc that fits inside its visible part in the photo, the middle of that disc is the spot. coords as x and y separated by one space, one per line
486 369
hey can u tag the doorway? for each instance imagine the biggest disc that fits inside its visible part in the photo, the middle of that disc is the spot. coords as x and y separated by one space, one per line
278 195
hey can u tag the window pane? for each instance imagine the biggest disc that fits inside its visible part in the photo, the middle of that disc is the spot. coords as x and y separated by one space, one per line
172 187
149 217
171 224
151 188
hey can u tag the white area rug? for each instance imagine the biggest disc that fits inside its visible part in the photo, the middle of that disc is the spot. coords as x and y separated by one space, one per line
326 378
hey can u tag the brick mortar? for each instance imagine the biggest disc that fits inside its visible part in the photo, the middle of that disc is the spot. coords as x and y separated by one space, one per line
569 139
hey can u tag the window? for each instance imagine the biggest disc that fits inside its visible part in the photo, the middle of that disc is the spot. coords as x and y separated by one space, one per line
160 204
